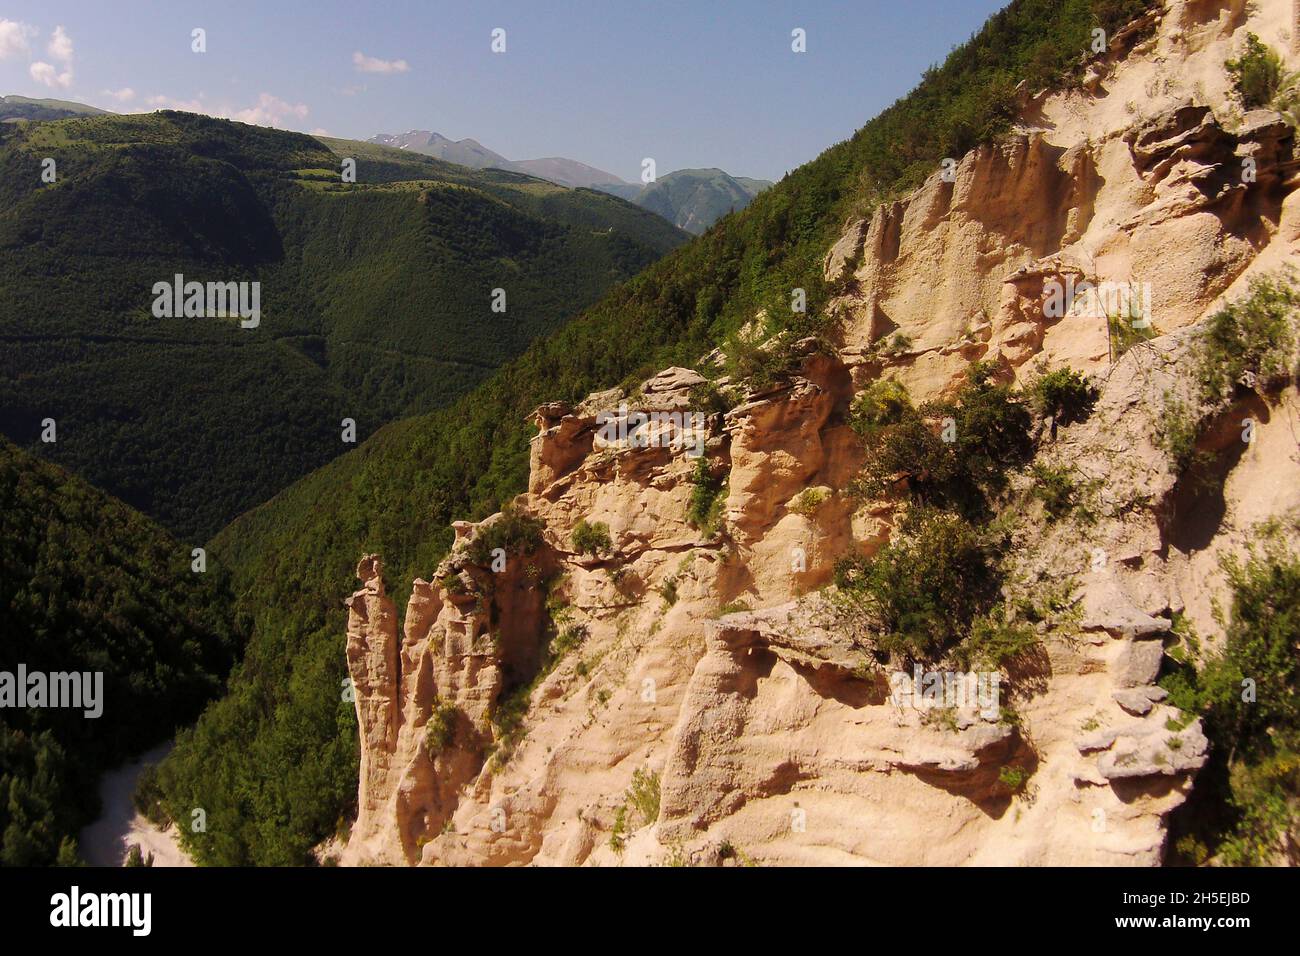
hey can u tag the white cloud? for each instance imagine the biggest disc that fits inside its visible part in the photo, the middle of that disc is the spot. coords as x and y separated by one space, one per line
185 106
267 111
60 50
13 38
124 95
49 75
271 111
370 64
60 47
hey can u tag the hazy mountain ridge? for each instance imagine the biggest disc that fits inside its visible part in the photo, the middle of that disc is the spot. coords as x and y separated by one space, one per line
14 108
691 199
694 199
465 152
471 153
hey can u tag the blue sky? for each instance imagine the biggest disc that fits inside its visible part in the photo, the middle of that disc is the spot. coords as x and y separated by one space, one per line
691 83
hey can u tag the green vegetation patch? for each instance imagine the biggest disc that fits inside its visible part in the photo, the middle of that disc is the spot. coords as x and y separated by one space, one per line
514 533
591 538
708 497
1248 809
1063 395
946 454
922 592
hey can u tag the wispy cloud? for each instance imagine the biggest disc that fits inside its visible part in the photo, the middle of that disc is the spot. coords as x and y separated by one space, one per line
60 50
371 64
124 95
14 37
269 110
60 46
49 75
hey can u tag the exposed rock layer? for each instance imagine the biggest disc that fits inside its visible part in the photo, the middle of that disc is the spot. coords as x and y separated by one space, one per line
772 733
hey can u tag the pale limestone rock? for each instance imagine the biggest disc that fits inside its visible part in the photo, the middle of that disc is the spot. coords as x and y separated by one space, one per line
1139 663
1107 608
772 730
669 389
1139 700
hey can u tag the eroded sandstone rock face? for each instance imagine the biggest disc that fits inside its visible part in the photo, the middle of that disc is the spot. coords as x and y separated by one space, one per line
1141 181
712 660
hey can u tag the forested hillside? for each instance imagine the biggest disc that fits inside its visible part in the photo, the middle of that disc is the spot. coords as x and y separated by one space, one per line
87 584
375 299
275 761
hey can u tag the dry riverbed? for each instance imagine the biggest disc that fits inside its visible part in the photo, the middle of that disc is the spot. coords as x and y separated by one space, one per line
108 840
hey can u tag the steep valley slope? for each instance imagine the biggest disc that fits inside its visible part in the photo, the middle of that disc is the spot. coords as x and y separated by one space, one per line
377 297
89 585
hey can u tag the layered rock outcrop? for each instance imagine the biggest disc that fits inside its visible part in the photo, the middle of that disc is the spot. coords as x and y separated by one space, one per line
535 693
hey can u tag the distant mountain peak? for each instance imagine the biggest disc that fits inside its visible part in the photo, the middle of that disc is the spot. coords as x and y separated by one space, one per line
472 153
692 199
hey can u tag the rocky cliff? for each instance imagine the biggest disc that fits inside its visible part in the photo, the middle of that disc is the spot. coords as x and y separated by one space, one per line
689 689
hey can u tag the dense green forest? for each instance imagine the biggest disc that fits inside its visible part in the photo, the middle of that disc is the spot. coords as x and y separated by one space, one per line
275 761
88 584
376 297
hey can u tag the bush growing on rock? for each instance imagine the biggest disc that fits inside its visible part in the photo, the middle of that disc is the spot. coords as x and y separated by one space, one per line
949 454
706 397
1249 696
1064 395
879 405
922 591
1178 432
668 590
994 640
440 731
992 431
707 499
1253 337
808 502
908 451
569 639
1247 344
514 532
1127 329
1013 778
760 364
591 538
1257 74
1055 487
643 794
